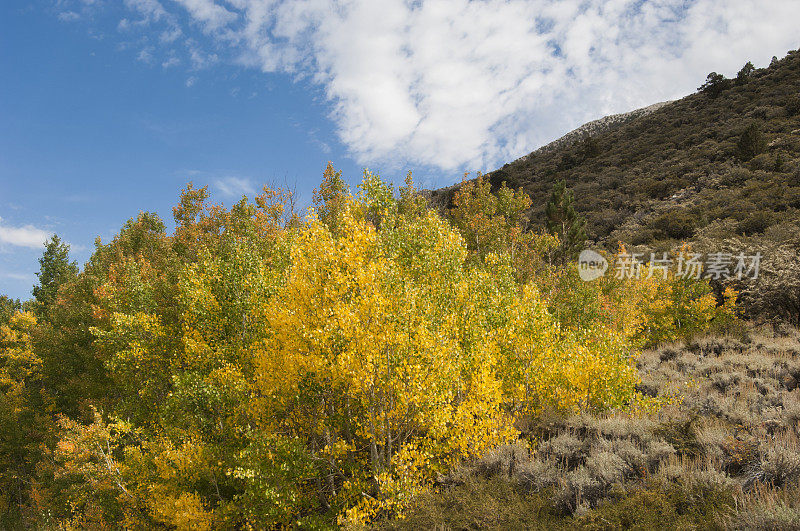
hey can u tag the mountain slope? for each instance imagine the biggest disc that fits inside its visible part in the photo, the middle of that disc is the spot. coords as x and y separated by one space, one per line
666 173
595 127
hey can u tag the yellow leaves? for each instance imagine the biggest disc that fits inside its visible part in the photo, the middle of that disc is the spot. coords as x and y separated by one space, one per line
336 368
407 476
184 511
19 364
478 422
394 325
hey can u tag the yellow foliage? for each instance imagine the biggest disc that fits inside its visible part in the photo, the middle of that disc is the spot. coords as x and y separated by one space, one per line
284 373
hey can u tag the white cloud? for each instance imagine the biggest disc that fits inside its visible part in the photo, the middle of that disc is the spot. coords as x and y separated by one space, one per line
234 186
26 236
68 16
170 35
170 62
471 84
150 10
145 55
210 14
200 60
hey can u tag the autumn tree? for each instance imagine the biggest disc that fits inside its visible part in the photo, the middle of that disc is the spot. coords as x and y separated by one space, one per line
25 414
8 307
498 223
330 197
258 370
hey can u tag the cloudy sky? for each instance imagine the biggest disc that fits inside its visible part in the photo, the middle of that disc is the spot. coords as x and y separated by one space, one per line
108 107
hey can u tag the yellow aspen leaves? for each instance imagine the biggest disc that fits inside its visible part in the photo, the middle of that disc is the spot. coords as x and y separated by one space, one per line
280 372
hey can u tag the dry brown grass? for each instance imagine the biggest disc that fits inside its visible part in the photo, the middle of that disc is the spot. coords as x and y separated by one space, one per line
730 447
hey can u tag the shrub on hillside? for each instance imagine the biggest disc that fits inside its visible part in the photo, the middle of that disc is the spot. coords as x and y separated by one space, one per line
677 224
751 142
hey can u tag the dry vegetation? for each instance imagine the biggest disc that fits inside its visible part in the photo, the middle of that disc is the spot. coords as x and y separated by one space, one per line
725 454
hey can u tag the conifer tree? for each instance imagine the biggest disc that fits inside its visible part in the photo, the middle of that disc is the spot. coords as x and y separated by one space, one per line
751 143
55 269
714 85
564 221
745 73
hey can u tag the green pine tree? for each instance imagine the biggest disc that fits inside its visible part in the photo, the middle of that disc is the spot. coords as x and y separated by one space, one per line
745 73
751 143
55 269
715 84
564 221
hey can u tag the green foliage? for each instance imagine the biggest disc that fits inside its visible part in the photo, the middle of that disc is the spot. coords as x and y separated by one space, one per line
55 269
591 147
793 106
280 479
751 142
8 307
744 75
498 223
677 224
715 84
662 506
330 198
564 222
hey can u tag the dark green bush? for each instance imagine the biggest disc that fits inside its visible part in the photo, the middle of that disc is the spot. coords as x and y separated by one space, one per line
751 142
662 506
678 224
755 223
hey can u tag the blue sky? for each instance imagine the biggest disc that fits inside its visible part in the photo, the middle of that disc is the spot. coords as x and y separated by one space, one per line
109 107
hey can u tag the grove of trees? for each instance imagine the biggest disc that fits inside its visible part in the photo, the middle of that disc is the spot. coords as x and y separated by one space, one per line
260 368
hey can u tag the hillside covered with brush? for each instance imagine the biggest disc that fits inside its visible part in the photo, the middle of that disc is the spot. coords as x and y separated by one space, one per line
729 154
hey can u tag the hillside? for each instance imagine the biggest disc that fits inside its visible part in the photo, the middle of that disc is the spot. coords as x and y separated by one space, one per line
666 173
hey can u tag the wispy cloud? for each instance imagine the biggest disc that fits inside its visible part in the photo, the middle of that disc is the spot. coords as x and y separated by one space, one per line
68 16
149 10
25 236
211 15
199 59
471 84
234 186
170 62
145 55
26 277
